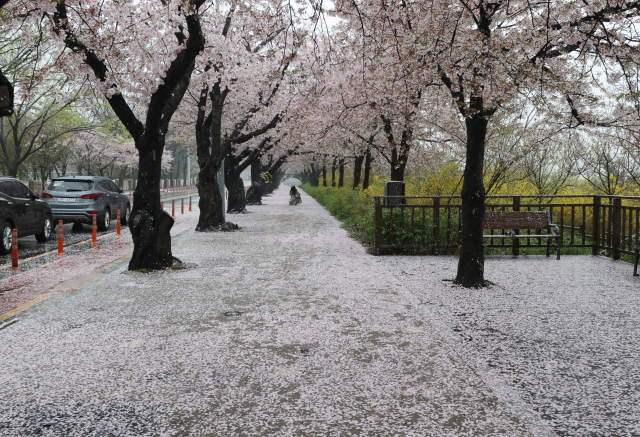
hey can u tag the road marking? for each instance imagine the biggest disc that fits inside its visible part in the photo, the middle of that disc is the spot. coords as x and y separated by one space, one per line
111 264
24 306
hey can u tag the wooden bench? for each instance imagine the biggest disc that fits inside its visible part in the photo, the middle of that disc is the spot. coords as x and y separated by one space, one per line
513 220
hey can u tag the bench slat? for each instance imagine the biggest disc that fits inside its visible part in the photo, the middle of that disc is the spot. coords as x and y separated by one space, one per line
516 220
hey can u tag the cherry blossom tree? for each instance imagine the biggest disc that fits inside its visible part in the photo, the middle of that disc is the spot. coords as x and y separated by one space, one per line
140 56
488 53
96 151
240 97
47 104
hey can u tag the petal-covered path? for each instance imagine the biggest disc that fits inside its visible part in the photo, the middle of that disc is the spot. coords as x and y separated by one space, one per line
285 328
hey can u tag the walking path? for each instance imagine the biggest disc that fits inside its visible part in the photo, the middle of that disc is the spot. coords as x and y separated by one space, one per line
285 328
563 334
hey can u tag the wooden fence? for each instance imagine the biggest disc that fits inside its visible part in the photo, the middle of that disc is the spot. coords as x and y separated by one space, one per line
430 225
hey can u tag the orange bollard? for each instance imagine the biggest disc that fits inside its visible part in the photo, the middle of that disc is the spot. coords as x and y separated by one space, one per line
182 212
189 203
118 225
129 194
14 250
94 239
60 238
173 208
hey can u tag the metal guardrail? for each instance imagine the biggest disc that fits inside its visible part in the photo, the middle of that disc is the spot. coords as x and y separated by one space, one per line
430 225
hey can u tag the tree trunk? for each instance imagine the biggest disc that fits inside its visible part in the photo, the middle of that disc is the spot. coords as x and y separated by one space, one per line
333 172
314 176
254 193
324 175
341 173
209 144
150 226
398 164
471 262
357 171
255 170
367 170
210 203
237 201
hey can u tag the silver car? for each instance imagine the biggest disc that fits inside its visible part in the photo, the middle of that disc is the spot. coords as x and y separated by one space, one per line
74 199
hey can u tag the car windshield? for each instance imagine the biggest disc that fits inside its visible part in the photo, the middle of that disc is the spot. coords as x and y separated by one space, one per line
69 186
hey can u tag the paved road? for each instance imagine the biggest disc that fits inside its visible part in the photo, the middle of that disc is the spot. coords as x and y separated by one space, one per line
33 254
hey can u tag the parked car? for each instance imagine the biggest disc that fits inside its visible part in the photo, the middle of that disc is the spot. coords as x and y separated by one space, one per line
74 199
22 209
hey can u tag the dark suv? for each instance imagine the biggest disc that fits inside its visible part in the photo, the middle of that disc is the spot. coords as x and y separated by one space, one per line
22 209
74 199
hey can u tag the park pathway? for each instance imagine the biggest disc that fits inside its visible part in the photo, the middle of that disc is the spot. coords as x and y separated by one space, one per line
285 328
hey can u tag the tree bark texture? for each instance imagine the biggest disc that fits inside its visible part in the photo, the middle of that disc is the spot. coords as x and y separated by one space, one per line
357 171
367 169
471 263
209 149
254 193
333 172
237 202
150 225
398 165
256 168
315 181
341 173
324 175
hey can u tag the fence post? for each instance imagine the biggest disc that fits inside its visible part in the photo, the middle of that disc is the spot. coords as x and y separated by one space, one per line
377 218
436 224
617 220
597 201
515 243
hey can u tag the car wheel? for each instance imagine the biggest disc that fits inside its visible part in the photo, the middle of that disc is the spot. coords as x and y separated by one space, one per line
6 238
104 224
46 230
125 219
